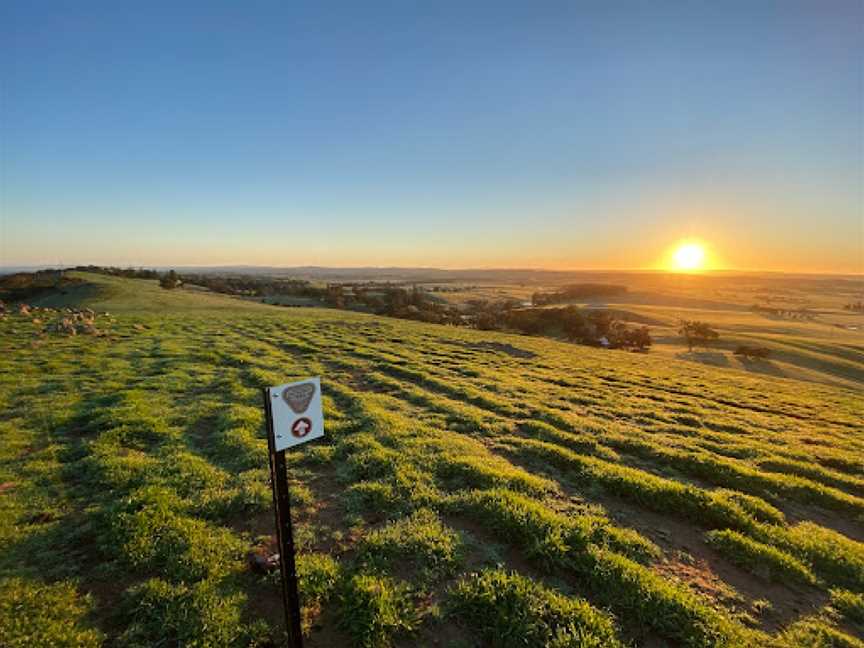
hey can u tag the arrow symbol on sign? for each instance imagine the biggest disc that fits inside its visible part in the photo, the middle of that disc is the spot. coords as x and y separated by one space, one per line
301 427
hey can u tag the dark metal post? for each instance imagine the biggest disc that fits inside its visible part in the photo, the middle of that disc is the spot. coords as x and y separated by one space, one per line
284 532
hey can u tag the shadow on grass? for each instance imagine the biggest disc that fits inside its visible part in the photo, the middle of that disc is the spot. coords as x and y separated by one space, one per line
765 367
712 358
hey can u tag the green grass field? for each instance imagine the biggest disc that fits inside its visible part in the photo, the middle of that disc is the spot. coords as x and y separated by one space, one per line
473 489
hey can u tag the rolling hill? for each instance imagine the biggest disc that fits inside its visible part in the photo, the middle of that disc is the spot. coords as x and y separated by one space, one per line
473 488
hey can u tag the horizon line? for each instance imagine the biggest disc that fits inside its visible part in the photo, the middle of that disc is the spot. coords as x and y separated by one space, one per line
48 266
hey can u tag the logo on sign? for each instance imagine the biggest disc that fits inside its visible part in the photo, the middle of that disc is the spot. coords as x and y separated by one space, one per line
299 396
301 427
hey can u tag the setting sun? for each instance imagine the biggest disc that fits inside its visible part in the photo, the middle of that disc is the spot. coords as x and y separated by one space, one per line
689 256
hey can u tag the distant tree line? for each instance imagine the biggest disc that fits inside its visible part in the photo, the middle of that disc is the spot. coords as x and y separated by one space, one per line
129 273
253 286
452 289
393 301
584 326
593 327
577 291
787 313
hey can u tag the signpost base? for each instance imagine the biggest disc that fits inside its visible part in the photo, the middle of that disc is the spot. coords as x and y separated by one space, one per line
284 531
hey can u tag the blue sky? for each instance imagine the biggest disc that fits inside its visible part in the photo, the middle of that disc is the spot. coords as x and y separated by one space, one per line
453 134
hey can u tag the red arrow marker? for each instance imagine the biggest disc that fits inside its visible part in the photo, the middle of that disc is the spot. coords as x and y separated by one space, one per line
301 427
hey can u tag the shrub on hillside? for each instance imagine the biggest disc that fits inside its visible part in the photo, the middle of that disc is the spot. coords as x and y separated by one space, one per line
620 336
749 351
170 280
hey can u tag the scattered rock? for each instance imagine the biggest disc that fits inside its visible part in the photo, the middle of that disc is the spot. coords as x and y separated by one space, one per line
70 321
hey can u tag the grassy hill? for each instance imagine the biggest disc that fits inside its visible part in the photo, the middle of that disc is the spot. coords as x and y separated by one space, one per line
473 488
116 294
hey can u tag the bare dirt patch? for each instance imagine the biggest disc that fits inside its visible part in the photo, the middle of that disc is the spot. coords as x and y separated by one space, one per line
844 524
692 561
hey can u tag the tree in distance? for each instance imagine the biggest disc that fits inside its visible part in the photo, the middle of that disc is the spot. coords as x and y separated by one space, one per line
620 336
696 333
170 280
639 338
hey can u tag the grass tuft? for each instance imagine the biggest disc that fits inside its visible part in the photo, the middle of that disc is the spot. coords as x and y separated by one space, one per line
374 609
200 614
761 559
849 604
510 611
37 614
421 540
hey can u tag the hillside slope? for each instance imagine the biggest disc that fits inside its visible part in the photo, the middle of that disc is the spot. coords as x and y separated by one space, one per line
473 488
117 294
819 350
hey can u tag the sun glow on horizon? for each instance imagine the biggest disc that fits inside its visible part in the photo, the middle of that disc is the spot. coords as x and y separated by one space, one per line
688 257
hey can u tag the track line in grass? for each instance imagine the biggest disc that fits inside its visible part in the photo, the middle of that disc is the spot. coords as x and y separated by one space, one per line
838 559
745 404
735 474
550 513
741 475
671 533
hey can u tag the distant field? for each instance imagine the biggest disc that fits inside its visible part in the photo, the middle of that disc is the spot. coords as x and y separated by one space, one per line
474 489
829 348
803 350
